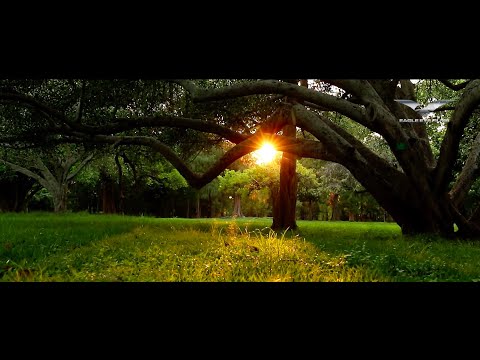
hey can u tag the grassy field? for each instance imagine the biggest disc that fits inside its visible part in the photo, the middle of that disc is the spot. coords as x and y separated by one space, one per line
44 247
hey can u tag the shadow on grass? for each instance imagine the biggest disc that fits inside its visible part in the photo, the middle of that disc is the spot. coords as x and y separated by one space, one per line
381 249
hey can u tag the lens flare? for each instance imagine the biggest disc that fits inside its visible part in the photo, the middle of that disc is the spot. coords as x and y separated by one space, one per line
265 154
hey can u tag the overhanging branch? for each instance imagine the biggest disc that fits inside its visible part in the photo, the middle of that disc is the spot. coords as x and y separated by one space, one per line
26 172
303 148
467 177
84 162
124 124
29 100
333 103
455 127
453 86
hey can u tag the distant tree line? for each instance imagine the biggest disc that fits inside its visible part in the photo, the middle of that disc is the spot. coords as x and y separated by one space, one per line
135 183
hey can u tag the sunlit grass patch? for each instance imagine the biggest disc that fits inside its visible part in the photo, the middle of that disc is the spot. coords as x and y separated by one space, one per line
88 248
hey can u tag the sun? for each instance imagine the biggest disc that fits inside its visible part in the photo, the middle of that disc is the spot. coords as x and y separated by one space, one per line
265 154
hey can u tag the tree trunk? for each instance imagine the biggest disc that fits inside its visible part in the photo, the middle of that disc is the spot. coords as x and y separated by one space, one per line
284 209
333 203
284 216
413 221
121 193
59 196
237 206
108 197
198 213
36 188
416 214
310 209
210 205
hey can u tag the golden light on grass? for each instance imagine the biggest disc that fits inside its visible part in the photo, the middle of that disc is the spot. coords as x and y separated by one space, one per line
266 154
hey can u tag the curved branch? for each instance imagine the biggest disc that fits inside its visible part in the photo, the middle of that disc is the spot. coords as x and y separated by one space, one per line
312 123
151 142
272 124
353 111
362 89
29 100
123 124
467 177
375 96
406 90
453 86
373 159
187 85
451 142
359 160
47 174
127 160
26 172
305 148
381 119
84 162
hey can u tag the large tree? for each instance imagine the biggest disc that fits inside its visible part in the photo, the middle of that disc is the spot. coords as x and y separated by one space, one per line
54 169
420 189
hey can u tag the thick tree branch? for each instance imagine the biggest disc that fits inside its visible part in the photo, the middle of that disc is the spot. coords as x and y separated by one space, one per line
69 161
150 142
47 174
272 124
404 142
312 123
406 90
373 159
466 228
475 217
303 148
29 100
26 172
333 103
124 124
361 89
388 187
187 85
376 97
467 176
453 86
455 127
84 162
351 155
315 106
127 160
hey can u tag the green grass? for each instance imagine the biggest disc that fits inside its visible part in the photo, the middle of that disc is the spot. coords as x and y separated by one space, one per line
46 247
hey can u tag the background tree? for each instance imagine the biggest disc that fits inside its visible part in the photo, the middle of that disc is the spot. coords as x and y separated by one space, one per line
233 184
125 181
53 168
310 192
